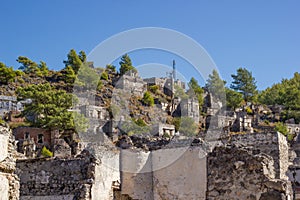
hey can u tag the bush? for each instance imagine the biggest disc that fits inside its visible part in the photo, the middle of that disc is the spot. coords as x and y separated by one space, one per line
104 76
280 127
154 89
148 99
249 111
46 152
140 122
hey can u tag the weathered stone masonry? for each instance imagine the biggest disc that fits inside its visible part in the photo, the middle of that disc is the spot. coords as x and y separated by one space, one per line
9 181
62 179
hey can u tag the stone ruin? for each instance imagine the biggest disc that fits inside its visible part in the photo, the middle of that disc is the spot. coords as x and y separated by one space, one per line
245 166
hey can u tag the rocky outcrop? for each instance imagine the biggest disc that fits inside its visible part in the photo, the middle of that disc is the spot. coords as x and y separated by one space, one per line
9 187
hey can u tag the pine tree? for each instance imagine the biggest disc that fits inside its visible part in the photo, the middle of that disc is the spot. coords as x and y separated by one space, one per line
126 64
215 85
245 83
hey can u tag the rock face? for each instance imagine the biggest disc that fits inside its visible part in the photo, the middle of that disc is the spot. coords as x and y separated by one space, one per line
235 173
9 187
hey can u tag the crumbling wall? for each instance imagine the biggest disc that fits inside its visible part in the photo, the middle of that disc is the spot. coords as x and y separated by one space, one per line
56 178
86 177
272 144
107 172
9 182
235 173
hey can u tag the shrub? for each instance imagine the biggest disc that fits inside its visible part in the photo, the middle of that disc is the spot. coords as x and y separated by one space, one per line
140 122
280 127
148 99
104 76
249 111
154 89
46 152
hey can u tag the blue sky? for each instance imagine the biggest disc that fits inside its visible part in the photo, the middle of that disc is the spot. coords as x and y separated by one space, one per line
263 36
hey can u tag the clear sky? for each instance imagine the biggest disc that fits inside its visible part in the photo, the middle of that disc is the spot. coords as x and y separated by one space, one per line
263 36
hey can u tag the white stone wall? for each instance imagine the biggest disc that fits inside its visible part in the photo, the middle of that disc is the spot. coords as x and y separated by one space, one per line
3 146
106 172
184 178
136 174
175 173
4 187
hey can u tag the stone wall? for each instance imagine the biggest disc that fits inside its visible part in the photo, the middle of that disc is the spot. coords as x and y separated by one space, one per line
175 173
9 182
272 144
107 171
86 177
235 173
56 178
179 177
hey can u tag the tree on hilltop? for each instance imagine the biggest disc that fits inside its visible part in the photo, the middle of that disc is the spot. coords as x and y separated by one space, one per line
215 85
126 64
244 83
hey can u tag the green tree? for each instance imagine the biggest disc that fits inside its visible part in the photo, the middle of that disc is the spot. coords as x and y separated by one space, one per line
7 74
82 56
50 108
74 60
28 66
195 89
111 68
104 76
233 99
280 127
286 93
148 99
245 83
87 77
43 69
215 85
69 75
126 64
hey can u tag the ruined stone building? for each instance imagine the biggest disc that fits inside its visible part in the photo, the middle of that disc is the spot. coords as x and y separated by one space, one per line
132 83
256 166
165 84
188 108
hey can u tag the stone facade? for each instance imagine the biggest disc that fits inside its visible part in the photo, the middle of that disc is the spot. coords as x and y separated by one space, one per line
163 129
132 83
190 108
41 137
